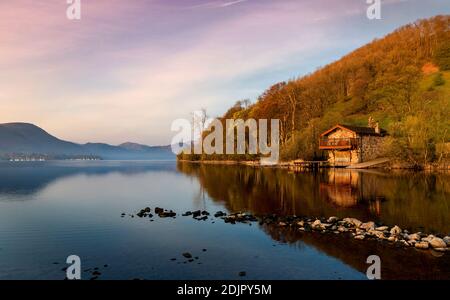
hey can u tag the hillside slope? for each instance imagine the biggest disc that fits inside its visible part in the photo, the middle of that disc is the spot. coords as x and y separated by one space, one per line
401 80
28 139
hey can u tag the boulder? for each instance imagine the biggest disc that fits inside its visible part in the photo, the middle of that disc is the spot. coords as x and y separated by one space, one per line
447 240
342 229
414 237
376 233
437 243
396 230
353 221
367 226
428 238
316 225
332 219
392 239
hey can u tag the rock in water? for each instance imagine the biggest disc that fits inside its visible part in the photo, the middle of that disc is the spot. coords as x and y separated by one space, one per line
447 240
396 230
316 225
382 228
414 237
187 255
437 243
422 245
367 226
378 234
359 237
332 220
353 221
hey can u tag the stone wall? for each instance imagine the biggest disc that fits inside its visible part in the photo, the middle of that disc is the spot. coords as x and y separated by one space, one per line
371 147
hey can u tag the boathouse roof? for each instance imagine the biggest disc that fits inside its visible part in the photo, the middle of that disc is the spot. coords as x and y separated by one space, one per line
360 130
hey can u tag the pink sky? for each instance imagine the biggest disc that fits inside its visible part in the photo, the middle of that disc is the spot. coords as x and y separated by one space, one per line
127 69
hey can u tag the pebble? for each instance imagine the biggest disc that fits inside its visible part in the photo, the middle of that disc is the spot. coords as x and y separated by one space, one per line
382 228
422 245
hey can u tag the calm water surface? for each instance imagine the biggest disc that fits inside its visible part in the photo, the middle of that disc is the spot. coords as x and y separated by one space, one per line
50 210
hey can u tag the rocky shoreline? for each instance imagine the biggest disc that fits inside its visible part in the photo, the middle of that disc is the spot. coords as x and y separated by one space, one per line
332 225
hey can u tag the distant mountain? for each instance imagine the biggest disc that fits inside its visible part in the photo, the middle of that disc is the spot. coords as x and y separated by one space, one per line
27 139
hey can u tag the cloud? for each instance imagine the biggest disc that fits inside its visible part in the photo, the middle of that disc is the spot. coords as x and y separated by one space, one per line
226 4
129 68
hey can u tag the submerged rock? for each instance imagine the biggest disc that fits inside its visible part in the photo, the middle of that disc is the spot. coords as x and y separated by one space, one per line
167 214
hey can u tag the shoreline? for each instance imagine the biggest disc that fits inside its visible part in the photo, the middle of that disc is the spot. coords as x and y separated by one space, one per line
291 165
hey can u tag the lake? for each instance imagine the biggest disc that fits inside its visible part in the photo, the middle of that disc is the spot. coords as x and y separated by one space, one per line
50 210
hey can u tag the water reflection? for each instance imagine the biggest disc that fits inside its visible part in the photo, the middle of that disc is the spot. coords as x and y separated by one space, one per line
20 180
416 201
411 200
78 205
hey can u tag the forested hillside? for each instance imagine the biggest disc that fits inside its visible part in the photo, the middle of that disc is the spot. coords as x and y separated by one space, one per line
401 80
